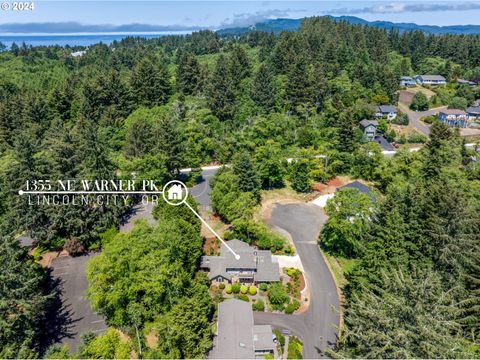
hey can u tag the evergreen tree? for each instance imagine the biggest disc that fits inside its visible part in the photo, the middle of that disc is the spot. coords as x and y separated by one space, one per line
263 90
298 91
150 82
246 173
169 141
299 174
23 301
188 74
238 64
221 96
346 131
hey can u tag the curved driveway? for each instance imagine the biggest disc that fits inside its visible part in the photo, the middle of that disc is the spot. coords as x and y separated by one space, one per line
317 326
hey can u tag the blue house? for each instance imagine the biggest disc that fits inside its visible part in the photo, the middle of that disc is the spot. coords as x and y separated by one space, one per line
454 118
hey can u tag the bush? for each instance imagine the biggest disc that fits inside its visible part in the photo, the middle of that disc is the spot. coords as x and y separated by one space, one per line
289 309
221 286
258 305
74 247
243 289
263 286
419 102
250 231
242 297
294 348
228 289
430 119
252 290
236 288
401 119
277 294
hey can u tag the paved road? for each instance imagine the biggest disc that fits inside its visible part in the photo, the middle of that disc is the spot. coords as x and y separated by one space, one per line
201 192
318 324
70 271
138 212
415 116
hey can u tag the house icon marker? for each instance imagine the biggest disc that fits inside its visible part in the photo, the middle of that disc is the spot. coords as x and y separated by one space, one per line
175 192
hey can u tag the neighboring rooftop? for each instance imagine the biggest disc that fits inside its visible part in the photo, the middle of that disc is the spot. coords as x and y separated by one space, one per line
387 109
453 112
432 77
473 110
360 187
465 82
237 336
366 123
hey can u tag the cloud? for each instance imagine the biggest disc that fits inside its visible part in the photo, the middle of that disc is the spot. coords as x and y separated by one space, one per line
395 8
75 27
247 19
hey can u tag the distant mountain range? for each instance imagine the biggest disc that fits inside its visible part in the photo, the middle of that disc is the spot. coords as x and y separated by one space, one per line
278 25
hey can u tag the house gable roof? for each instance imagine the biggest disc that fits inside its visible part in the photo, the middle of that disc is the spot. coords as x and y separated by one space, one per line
267 267
453 112
387 109
360 187
432 77
365 123
474 110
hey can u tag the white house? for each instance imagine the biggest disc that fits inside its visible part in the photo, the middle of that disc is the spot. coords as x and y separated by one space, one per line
407 81
473 112
431 80
386 110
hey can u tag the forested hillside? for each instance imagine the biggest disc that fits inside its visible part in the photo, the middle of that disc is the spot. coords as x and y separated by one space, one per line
153 107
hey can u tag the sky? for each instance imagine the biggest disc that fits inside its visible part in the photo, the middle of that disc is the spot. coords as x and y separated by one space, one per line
70 15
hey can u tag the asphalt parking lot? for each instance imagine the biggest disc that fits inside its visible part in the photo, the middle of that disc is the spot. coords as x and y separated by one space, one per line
70 271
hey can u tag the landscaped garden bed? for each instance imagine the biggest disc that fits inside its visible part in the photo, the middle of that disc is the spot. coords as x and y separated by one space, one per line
283 296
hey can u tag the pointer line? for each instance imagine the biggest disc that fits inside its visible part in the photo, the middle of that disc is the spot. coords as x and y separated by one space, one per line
213 231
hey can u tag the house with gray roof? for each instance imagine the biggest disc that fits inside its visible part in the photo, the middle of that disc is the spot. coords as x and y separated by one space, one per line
431 80
369 128
453 117
473 112
465 82
237 336
407 81
253 266
364 189
386 110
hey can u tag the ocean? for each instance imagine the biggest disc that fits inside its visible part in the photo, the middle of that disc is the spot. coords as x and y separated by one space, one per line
77 39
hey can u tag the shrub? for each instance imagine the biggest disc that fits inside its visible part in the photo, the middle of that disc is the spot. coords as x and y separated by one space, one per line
294 348
228 289
430 119
289 309
419 102
221 286
258 305
252 290
243 289
401 119
236 288
243 297
277 294
74 247
263 287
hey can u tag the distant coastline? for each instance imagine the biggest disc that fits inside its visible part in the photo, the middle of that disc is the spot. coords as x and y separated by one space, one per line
79 39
